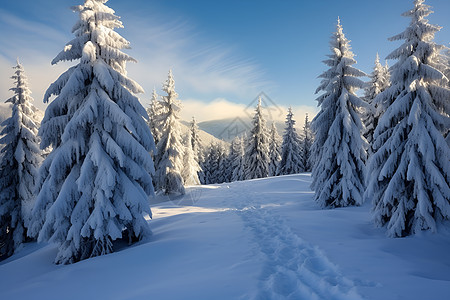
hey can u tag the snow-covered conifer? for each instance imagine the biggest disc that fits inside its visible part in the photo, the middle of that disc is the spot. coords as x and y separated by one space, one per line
154 112
211 164
222 171
19 162
97 180
170 150
238 161
409 173
196 141
257 151
197 147
307 140
190 165
274 150
338 148
291 152
379 81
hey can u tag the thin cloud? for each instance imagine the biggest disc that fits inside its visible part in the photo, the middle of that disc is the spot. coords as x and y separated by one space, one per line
203 68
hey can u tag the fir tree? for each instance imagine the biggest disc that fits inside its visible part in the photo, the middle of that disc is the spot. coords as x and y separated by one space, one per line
409 174
197 147
238 161
169 153
291 152
19 163
222 170
257 152
154 113
379 81
306 144
211 165
274 150
190 165
97 180
339 155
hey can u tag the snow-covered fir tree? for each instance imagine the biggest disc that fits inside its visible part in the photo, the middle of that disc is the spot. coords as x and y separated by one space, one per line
339 148
19 162
154 112
197 146
191 168
222 172
211 164
307 140
291 151
274 150
170 150
379 81
409 173
97 180
257 151
238 159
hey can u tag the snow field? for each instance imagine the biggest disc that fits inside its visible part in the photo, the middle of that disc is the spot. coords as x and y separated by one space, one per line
258 239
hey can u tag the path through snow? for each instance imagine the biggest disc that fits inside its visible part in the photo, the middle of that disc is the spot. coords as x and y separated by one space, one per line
292 268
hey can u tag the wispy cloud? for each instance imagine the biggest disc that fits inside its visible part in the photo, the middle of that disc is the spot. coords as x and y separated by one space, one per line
203 67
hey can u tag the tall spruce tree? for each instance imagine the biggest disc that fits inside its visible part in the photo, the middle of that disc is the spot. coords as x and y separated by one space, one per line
274 150
307 140
170 150
257 151
211 164
191 168
197 147
239 168
379 81
339 148
154 112
291 153
97 180
19 163
409 174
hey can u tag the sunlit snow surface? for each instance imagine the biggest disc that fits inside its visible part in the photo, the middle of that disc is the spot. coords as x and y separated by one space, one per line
259 239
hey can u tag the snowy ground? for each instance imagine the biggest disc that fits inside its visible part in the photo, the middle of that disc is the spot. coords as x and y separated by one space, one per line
260 239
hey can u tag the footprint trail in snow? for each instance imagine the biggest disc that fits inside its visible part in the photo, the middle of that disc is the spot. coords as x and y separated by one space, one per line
293 269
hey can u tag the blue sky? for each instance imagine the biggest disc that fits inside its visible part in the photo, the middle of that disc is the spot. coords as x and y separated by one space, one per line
223 53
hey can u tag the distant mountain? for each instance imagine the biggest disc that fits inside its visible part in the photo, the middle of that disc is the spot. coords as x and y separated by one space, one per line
206 138
228 129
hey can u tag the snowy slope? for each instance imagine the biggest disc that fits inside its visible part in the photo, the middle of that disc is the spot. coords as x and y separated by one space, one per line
259 239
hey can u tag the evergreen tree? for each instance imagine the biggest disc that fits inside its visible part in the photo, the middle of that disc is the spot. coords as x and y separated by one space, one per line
339 155
274 150
154 113
238 162
211 165
170 150
222 171
257 152
307 140
97 180
379 81
197 147
291 152
19 163
409 174
190 165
